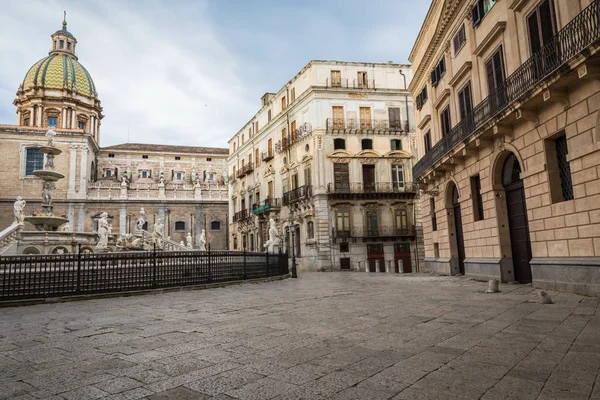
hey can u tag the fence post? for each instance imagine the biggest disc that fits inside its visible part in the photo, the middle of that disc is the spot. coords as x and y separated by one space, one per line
209 271
267 265
245 276
154 265
78 288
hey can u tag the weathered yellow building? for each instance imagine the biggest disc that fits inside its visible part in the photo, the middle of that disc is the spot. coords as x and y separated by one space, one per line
507 95
184 186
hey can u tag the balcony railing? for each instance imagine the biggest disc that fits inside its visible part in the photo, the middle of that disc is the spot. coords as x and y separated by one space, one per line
267 155
375 233
336 83
295 195
375 126
248 168
582 31
241 172
240 215
372 187
343 83
266 205
297 136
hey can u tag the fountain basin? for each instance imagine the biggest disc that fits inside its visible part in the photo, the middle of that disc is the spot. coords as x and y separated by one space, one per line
48 175
50 150
46 222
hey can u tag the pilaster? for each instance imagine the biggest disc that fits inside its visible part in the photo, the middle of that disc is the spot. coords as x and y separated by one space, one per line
72 170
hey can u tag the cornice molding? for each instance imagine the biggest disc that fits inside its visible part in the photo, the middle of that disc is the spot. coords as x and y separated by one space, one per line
424 121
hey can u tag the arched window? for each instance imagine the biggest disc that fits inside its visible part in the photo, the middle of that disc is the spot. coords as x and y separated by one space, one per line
34 160
339 144
310 229
180 225
235 242
215 226
367 144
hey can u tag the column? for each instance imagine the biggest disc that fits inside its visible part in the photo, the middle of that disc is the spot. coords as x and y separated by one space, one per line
123 220
38 121
19 117
73 119
81 218
72 170
31 115
63 118
83 172
198 218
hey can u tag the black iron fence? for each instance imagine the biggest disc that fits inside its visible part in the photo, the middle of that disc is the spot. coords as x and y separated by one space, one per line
295 195
44 276
582 31
353 125
372 187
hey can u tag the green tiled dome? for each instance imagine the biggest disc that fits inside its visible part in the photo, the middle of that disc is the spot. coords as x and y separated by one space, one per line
58 71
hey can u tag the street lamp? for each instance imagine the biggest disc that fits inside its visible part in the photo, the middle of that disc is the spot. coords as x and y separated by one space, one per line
293 243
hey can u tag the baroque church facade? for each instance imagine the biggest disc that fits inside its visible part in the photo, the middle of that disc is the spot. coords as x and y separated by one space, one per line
184 186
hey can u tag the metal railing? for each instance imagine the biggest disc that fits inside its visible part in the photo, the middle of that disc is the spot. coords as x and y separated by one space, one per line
579 33
374 232
267 155
372 187
240 215
376 126
295 195
300 133
266 205
336 83
343 83
45 276
248 168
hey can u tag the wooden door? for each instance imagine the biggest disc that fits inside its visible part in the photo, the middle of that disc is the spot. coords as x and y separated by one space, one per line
338 117
460 242
365 118
341 177
270 147
517 219
345 263
336 78
368 178
375 256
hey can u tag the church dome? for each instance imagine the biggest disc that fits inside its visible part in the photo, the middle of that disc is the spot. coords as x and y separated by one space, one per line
60 71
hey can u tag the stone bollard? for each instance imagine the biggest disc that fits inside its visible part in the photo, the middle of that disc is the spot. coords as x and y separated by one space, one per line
492 286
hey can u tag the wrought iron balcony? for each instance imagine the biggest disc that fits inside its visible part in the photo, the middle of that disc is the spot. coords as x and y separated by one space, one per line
267 155
300 133
576 36
241 172
367 126
267 205
343 83
336 83
248 168
374 234
372 190
240 215
295 195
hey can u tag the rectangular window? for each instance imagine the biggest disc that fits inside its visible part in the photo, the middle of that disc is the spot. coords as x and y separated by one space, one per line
243 139
422 98
270 147
480 9
285 185
283 103
396 144
270 190
394 117
209 159
293 130
177 158
34 161
341 176
401 219
345 248
292 95
52 121
494 67
459 39
438 72
284 139
559 170
343 222
256 158
464 101
307 176
269 116
256 127
338 117
336 79
145 156
477 198
436 250
367 144
398 176
445 121
61 44
68 45
365 118
427 141
111 155
368 177
372 222
362 79
81 125
541 25
433 216
249 132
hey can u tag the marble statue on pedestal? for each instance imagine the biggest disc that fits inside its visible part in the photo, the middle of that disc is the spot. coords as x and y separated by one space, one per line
157 232
203 241
141 221
103 231
188 239
50 135
19 210
273 236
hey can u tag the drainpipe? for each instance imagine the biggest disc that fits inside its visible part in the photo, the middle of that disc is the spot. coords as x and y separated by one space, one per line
405 98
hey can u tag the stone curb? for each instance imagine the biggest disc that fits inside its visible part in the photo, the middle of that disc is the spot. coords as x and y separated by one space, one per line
29 302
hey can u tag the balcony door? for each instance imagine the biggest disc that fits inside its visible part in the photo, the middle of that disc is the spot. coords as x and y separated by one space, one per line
368 177
365 118
541 27
394 117
341 177
372 222
338 117
397 177
494 68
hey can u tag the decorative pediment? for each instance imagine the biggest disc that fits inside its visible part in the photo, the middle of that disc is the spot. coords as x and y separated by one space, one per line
283 170
461 73
424 121
306 159
398 154
441 98
369 153
340 153
495 32
269 171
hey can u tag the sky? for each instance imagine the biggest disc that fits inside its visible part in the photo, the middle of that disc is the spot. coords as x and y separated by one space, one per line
193 72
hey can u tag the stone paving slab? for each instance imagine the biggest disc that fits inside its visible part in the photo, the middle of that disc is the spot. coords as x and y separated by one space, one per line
322 336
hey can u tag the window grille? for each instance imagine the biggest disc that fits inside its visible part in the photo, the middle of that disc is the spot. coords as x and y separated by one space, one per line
564 168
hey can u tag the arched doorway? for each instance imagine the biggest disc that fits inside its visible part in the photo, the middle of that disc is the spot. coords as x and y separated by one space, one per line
458 228
517 218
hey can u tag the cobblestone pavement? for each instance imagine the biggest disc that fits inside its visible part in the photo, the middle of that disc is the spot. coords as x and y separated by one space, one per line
324 335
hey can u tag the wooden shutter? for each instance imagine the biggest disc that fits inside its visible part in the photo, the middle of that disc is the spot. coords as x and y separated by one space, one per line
464 101
368 178
341 176
256 157
338 117
293 131
270 147
365 117
534 35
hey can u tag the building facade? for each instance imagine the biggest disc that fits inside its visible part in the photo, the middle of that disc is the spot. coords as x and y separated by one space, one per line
331 154
182 185
507 99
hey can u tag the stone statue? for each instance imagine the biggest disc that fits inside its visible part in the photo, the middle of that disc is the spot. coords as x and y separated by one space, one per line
182 244
194 175
129 242
161 180
19 210
103 231
141 221
157 232
64 228
50 135
273 239
124 181
203 241
188 239
47 192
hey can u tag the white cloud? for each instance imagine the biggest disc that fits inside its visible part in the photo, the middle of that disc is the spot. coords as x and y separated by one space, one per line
162 74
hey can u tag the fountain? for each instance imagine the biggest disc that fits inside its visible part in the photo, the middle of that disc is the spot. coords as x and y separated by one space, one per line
47 221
